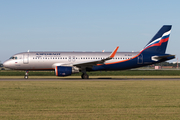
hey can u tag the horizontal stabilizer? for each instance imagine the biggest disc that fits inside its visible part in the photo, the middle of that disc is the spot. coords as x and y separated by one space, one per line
157 58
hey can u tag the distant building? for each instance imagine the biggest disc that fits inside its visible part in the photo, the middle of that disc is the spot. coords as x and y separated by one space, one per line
157 67
167 67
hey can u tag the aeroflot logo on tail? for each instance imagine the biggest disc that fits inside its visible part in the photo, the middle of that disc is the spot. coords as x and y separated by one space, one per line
48 53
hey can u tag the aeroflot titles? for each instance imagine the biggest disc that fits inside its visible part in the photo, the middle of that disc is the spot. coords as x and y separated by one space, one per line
48 53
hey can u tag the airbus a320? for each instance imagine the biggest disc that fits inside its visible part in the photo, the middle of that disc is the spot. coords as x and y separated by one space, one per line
67 63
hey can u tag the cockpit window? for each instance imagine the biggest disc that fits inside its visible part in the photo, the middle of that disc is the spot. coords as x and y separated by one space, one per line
14 58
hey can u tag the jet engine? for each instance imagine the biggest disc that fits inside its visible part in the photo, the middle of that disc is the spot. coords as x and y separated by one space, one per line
65 70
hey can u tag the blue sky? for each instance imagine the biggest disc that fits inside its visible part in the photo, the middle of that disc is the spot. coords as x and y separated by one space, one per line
85 25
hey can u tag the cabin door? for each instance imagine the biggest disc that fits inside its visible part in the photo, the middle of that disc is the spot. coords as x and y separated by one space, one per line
140 59
25 58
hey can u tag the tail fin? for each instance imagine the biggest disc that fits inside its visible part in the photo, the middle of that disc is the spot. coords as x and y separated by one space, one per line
159 42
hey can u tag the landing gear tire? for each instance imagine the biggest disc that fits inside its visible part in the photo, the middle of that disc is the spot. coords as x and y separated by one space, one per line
26 74
25 77
85 76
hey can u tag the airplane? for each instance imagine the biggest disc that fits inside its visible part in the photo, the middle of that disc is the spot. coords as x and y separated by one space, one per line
67 63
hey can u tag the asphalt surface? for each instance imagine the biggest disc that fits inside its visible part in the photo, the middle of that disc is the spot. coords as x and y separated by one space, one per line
91 79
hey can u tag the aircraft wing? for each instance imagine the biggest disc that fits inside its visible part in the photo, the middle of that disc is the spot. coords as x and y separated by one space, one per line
93 63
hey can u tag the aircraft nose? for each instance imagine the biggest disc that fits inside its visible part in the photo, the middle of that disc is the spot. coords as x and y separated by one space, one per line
6 64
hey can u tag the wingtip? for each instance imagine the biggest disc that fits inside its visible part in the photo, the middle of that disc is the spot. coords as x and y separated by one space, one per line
114 52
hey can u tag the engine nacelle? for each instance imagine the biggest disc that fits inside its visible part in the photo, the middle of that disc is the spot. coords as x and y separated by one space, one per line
65 70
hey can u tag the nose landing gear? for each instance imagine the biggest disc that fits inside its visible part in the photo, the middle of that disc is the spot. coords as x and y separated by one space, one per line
26 74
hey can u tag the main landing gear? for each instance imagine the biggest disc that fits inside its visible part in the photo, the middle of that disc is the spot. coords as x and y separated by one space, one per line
26 74
84 75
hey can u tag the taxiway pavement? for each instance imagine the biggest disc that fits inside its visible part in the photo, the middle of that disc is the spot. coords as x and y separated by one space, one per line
91 79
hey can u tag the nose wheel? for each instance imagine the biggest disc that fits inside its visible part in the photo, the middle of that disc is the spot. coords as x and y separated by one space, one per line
26 75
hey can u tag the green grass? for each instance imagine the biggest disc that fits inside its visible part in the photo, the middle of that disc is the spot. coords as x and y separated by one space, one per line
99 73
29 100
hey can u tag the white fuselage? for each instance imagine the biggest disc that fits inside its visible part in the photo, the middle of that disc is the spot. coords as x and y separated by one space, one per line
49 60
